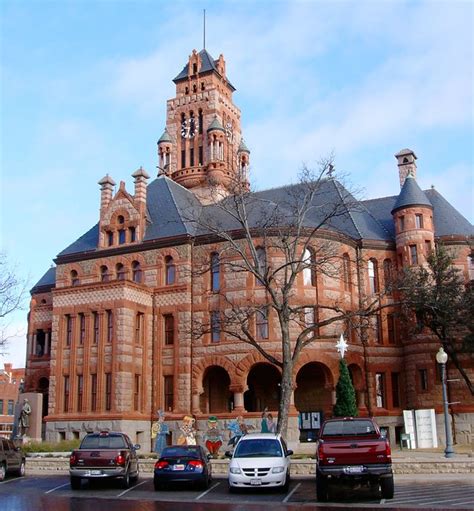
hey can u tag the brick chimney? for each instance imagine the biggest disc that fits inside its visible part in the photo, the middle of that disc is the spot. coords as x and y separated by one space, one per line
406 159
106 192
140 182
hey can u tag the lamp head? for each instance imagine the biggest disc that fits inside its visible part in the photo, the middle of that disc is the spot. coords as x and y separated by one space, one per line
441 356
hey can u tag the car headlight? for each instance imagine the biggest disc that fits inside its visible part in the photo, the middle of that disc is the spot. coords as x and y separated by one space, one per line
234 470
277 470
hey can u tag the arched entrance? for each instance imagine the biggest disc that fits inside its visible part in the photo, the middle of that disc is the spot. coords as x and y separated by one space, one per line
263 383
216 397
314 384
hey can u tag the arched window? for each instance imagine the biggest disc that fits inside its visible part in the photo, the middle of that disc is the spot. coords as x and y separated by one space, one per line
110 238
309 271
136 272
74 278
387 274
346 271
170 271
120 271
120 219
261 264
215 272
373 276
121 236
133 234
104 274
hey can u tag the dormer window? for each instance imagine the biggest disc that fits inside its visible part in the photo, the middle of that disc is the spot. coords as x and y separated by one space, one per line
74 278
133 234
195 68
110 238
120 219
120 271
104 274
170 271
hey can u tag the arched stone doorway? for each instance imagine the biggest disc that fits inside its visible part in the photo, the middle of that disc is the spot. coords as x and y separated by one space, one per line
216 397
263 382
43 388
314 386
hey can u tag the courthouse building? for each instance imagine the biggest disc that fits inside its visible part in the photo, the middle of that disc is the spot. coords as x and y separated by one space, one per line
109 337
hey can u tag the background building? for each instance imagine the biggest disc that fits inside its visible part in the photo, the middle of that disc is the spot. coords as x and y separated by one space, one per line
10 380
110 339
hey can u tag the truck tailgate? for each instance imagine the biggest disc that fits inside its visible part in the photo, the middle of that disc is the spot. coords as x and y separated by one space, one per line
355 452
96 457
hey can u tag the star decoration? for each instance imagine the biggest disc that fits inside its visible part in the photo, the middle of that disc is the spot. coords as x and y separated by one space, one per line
342 346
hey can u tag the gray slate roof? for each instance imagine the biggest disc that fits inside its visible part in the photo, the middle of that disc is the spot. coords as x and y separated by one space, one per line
411 195
207 64
47 280
173 210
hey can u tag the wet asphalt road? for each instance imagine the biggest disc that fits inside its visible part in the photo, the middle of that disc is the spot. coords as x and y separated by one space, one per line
53 493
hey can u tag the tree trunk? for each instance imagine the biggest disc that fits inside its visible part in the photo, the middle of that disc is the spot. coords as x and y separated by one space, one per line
285 398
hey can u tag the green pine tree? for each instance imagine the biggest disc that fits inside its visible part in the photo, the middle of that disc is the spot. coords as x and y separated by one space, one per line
346 405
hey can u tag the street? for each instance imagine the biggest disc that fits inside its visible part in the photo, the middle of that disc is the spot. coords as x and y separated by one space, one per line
53 493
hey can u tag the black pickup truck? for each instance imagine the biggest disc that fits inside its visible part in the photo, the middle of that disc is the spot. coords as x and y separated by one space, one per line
104 455
353 449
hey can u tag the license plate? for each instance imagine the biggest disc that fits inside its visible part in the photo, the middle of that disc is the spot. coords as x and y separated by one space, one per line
357 469
255 482
94 473
178 467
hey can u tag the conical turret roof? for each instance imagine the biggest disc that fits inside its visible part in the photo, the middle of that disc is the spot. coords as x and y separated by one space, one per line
166 137
243 147
411 195
215 125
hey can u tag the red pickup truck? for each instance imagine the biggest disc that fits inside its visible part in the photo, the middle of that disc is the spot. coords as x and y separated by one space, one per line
353 449
104 455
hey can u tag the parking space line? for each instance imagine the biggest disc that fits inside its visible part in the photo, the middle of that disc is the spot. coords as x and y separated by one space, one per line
131 488
207 491
6 481
57 488
291 492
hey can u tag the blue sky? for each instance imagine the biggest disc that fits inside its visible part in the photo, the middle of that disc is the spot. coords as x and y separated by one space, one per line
84 86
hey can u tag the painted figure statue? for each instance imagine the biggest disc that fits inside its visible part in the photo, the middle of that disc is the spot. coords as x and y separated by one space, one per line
188 432
213 438
237 429
159 431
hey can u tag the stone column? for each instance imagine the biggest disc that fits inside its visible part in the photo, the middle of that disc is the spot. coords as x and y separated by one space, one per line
195 404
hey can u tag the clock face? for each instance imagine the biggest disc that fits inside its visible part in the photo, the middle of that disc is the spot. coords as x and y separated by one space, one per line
188 128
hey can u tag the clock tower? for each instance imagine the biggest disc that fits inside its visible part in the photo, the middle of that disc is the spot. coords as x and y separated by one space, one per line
202 147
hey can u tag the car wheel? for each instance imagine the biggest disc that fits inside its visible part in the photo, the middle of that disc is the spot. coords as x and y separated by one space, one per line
3 471
286 486
322 488
387 487
75 483
125 483
21 470
134 479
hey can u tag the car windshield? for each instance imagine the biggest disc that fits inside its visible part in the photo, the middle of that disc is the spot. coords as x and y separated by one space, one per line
258 448
181 452
104 442
348 428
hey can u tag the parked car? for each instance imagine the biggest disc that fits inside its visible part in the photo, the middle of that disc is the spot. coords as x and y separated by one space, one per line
354 450
183 464
12 460
259 460
104 455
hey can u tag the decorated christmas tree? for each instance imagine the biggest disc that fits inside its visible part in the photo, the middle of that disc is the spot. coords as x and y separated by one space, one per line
346 405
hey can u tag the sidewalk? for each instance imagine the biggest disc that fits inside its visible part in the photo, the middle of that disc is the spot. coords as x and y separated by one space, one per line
415 461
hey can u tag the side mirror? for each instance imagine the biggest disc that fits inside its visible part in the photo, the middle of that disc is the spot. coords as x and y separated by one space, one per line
137 446
289 452
209 457
228 454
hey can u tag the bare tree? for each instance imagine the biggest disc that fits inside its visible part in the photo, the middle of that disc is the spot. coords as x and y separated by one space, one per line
12 294
279 236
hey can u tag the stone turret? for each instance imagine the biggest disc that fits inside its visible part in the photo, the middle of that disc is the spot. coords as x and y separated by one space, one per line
414 228
106 191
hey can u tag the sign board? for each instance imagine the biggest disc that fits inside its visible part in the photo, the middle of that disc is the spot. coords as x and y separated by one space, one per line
421 426
409 420
310 420
425 421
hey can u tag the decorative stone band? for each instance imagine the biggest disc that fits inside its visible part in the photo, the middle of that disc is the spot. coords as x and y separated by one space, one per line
87 296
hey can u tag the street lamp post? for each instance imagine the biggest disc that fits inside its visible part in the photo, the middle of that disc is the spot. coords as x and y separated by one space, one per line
442 359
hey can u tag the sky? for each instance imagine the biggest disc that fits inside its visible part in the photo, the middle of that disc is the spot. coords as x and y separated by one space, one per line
84 85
